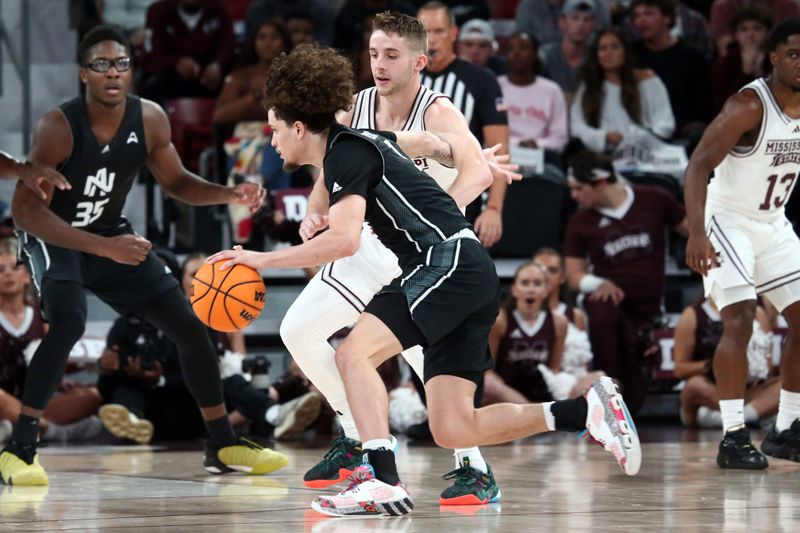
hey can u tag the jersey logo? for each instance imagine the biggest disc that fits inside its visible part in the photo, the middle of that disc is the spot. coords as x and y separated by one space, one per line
105 150
103 180
604 222
336 188
132 138
796 129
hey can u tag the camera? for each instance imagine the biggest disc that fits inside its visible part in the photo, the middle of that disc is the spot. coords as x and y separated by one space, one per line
147 346
257 365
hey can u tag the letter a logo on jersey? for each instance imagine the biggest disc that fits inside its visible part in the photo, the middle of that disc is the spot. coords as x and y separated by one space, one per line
132 138
102 180
336 188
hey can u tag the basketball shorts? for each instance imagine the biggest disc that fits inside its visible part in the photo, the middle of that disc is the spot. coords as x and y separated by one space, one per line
452 296
357 278
126 288
755 258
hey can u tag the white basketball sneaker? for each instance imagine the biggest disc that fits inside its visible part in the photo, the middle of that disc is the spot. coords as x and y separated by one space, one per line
366 496
611 425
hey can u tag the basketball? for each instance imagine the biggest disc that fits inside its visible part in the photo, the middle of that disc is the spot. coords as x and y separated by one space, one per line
227 300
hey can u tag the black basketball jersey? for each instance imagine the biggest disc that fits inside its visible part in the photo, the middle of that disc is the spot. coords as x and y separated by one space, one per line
101 175
408 211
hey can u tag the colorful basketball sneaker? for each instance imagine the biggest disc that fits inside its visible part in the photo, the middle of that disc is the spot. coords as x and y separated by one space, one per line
366 496
611 425
471 486
19 465
244 456
342 457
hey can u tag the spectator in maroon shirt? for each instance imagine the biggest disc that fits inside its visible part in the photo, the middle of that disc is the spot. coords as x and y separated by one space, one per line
614 248
188 49
746 58
722 12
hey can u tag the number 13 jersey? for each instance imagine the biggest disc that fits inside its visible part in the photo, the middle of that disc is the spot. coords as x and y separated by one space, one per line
100 174
756 181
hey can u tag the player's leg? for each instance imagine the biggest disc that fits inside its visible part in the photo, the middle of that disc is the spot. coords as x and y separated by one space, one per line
170 312
65 305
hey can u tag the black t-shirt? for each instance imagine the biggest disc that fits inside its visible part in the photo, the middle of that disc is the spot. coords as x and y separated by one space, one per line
408 211
473 90
684 70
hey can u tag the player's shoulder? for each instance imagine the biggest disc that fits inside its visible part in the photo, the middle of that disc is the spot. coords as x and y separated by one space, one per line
152 112
743 105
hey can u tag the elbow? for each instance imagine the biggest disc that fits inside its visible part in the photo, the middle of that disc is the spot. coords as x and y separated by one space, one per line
485 177
349 245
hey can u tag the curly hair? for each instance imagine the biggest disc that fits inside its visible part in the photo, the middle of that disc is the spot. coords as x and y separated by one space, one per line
406 26
310 84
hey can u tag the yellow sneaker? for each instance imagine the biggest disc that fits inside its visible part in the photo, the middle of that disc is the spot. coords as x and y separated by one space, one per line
19 465
123 424
244 456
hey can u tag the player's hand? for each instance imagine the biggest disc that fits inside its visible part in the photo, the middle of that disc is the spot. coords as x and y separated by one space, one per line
500 166
133 368
608 291
311 225
127 249
109 361
188 68
34 177
489 227
238 256
249 194
700 254
211 77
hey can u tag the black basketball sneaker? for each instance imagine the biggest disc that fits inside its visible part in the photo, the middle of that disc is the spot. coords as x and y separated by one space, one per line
783 444
737 452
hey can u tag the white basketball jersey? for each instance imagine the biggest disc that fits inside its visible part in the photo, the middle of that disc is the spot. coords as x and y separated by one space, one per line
756 181
364 113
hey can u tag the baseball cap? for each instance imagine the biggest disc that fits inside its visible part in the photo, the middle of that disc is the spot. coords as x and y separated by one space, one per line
578 5
477 29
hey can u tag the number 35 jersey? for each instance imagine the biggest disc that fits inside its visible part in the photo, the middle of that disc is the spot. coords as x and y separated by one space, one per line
101 175
756 181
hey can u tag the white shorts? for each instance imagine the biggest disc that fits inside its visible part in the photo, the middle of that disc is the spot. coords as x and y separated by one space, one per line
755 258
359 277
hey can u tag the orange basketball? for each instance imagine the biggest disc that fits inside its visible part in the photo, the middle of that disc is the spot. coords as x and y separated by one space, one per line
227 300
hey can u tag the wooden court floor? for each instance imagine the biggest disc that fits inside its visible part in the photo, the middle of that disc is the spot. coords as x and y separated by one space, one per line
554 483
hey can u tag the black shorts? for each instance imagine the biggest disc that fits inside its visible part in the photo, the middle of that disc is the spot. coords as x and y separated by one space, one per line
126 288
452 297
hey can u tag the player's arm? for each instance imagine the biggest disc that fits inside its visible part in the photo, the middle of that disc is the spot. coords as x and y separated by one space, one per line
165 164
474 176
740 115
684 346
595 287
489 224
33 176
560 326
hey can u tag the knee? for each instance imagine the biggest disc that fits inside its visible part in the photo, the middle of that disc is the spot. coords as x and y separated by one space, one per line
292 329
67 324
696 389
449 431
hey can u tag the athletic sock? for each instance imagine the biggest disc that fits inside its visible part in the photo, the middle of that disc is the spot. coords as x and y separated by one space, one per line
732 414
221 432
549 419
476 460
788 410
750 414
346 420
378 455
26 430
570 415
271 414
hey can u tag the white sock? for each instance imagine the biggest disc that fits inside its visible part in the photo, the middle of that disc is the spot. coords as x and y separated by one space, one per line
271 416
788 410
346 420
377 444
549 419
750 414
476 460
732 413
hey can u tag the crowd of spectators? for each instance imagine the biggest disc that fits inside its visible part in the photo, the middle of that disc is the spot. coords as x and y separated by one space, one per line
601 72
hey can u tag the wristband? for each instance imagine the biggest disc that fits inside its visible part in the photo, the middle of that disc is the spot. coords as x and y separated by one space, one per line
590 283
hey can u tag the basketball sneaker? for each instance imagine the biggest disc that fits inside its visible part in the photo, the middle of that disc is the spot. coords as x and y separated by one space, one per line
342 457
610 424
736 451
123 424
784 444
19 465
297 415
366 496
244 456
471 486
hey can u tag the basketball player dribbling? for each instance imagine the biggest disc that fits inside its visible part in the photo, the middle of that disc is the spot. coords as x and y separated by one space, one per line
743 245
77 238
338 293
446 297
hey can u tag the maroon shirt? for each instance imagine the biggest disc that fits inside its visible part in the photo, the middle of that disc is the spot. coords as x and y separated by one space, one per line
706 335
628 251
12 354
169 39
521 351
